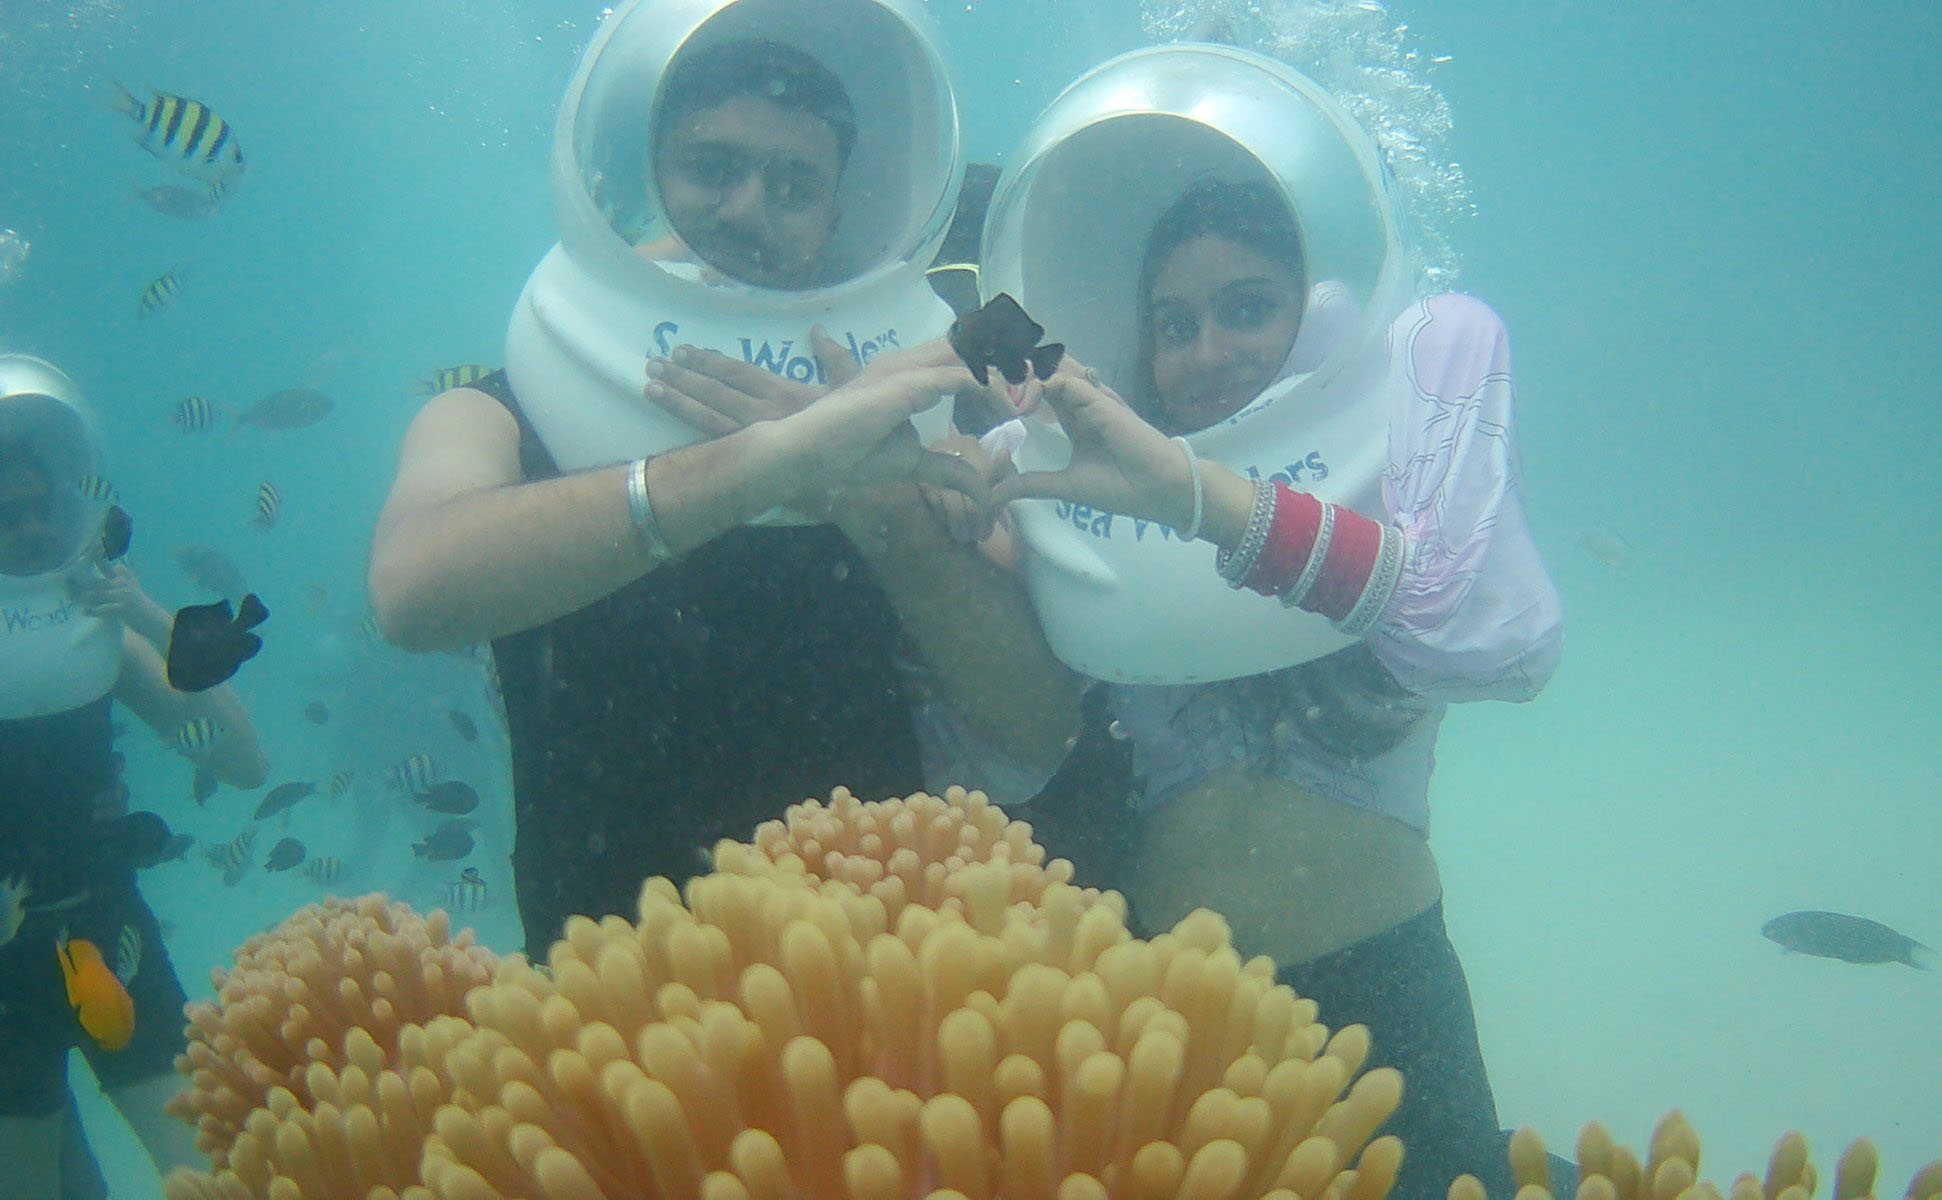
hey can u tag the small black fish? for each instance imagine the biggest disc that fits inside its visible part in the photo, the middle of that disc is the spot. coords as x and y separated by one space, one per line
282 796
117 529
207 643
316 713
451 797
449 841
139 839
468 729
1001 335
284 855
1850 939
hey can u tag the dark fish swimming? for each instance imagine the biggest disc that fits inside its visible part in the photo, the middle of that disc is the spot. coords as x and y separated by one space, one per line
315 713
1850 939
451 840
117 530
451 797
212 571
140 840
207 642
186 134
466 726
1001 335
291 408
284 855
282 796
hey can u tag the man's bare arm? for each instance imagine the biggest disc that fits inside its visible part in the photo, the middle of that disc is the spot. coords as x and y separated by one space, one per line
467 550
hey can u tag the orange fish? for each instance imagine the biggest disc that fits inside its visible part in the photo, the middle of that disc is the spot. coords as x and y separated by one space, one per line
100 1001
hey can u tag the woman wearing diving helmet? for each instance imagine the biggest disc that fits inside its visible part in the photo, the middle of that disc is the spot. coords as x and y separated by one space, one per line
1279 516
82 960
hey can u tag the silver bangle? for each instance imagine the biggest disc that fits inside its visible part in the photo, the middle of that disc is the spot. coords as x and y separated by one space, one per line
1234 568
1192 530
1312 569
1381 586
642 510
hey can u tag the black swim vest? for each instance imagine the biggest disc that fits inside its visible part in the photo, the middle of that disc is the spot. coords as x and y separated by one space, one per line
690 706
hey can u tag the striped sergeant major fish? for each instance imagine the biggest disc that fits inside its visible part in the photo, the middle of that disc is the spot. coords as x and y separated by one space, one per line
96 489
193 414
233 858
269 502
446 378
159 294
415 774
186 134
196 736
467 893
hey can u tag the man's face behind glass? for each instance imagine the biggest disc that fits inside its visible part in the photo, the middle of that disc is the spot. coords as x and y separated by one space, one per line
750 185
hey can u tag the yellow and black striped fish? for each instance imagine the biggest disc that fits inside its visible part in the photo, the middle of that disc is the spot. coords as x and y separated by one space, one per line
467 893
446 378
340 783
186 134
269 502
233 857
196 736
97 489
159 293
193 414
324 870
415 774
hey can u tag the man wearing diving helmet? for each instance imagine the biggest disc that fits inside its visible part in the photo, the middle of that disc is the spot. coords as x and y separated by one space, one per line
681 656
82 960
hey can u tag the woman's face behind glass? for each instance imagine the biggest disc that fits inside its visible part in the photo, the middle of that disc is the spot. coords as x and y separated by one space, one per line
1221 320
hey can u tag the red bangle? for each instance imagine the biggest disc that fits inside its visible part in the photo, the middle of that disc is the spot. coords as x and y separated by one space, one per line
1350 553
1291 539
1353 549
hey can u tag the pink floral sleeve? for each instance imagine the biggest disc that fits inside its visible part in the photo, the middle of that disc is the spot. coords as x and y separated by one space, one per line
1474 615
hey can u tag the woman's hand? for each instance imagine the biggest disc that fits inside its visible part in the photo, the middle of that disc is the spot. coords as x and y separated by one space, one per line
1119 462
118 596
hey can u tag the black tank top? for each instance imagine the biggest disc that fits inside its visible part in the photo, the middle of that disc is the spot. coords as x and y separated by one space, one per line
51 770
691 705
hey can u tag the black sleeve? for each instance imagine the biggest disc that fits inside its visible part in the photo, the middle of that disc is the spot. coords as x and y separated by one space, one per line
954 272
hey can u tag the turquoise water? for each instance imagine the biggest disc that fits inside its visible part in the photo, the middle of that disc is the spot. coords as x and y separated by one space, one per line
1711 230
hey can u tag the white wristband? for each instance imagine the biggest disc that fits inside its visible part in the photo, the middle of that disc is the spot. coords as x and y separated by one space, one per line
642 511
1192 530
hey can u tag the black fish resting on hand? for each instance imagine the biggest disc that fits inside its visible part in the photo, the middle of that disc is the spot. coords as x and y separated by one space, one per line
207 643
117 528
1001 335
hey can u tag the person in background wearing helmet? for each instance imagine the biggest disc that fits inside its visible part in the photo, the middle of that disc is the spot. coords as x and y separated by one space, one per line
674 672
82 961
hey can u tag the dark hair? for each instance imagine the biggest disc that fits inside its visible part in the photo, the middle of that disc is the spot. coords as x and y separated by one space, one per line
765 69
1247 214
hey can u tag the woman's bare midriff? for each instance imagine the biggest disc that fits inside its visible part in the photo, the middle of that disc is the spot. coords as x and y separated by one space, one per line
1295 875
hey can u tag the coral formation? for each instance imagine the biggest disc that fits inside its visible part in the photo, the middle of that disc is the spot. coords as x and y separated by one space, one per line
323 1001
1670 1170
867 1001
